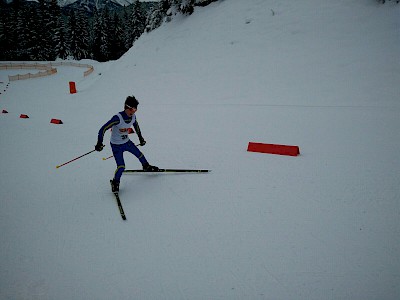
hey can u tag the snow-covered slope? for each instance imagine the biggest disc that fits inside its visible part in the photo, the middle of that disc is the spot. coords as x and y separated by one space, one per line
322 75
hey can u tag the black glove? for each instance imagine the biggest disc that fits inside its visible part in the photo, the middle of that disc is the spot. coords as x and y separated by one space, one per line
99 146
142 141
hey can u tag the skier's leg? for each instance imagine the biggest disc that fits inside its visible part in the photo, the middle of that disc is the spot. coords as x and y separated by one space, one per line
118 152
135 151
130 147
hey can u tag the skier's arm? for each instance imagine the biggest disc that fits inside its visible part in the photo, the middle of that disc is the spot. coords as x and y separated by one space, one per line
139 133
114 121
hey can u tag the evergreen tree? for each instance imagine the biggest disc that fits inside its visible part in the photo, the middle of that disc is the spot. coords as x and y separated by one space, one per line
19 30
5 31
174 6
101 39
157 15
105 47
126 30
137 21
187 7
181 6
28 35
82 24
204 2
11 30
56 28
43 44
78 43
61 46
117 47
96 36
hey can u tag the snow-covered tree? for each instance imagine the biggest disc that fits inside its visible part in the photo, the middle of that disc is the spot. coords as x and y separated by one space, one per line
6 37
61 46
44 46
157 15
83 34
126 32
28 34
204 2
55 26
101 47
137 22
77 32
105 47
116 38
187 6
166 9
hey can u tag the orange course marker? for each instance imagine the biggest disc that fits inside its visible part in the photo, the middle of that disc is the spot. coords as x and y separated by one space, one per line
72 87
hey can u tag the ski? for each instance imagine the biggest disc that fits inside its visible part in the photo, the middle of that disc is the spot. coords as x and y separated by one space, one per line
121 210
169 171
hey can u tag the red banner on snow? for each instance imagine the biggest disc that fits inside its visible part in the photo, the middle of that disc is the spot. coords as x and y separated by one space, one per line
273 149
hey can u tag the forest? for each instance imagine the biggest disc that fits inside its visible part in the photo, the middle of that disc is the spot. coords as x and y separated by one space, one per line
43 31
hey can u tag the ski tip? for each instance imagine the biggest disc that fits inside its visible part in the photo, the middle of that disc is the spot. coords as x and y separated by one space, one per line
57 167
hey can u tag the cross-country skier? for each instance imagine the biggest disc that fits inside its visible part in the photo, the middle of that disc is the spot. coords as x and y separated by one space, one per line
120 142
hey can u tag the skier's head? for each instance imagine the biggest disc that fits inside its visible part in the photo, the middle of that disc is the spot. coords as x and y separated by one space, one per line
131 102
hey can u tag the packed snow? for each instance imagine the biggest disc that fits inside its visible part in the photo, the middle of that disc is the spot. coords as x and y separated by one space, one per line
321 75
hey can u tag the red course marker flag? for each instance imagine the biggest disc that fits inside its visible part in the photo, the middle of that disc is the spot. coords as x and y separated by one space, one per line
56 121
72 87
273 149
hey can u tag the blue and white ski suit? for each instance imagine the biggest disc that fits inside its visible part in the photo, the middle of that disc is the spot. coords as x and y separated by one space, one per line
120 142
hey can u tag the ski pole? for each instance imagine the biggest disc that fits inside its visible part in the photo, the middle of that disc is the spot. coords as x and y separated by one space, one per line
75 159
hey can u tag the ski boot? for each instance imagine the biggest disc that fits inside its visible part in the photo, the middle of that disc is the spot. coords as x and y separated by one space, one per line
114 186
150 168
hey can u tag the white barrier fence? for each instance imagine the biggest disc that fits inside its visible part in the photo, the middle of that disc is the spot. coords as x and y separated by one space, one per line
47 69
